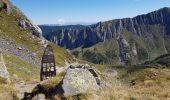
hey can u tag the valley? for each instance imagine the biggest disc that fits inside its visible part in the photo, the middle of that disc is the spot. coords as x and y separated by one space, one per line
121 59
130 40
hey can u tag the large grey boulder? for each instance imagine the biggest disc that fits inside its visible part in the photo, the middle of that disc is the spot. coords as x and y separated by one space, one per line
3 70
80 79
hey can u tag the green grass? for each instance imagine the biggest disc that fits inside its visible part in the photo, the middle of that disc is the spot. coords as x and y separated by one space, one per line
23 70
9 28
104 53
8 92
2 80
48 87
61 55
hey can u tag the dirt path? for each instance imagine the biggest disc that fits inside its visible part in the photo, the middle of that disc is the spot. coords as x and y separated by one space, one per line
23 87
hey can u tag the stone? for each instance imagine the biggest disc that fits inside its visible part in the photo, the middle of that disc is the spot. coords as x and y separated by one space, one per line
134 50
39 97
35 29
80 78
19 48
22 23
3 70
25 23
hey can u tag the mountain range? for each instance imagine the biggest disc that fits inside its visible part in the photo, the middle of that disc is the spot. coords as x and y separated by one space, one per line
120 41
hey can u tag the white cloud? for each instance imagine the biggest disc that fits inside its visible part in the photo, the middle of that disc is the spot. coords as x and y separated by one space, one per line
61 21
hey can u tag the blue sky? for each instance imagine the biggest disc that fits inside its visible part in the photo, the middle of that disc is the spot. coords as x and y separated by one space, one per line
85 11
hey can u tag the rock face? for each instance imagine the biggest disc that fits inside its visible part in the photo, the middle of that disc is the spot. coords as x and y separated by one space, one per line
3 70
80 79
150 33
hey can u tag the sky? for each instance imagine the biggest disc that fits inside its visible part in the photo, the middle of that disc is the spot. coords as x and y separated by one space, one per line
85 11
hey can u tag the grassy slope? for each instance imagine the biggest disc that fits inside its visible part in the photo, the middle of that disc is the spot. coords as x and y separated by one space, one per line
20 70
150 81
102 49
150 45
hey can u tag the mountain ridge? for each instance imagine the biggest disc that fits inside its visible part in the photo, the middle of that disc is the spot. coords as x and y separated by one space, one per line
152 28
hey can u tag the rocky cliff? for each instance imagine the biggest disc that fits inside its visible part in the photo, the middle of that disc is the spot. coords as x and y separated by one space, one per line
139 38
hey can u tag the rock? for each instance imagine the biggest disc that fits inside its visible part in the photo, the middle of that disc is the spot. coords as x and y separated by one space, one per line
3 70
124 43
79 79
39 97
134 50
36 31
25 23
19 48
22 23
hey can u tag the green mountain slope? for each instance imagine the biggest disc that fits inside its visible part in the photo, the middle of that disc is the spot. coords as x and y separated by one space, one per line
22 46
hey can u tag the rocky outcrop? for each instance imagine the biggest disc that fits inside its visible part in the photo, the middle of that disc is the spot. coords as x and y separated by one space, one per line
152 31
26 24
3 70
79 79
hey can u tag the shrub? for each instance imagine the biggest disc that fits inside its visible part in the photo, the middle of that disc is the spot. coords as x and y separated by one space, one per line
142 54
93 57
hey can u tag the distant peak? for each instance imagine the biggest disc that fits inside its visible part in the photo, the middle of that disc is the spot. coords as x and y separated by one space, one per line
164 9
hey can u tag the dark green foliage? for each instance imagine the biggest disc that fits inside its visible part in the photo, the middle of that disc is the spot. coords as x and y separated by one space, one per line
142 53
93 57
76 53
80 97
162 60
2 80
111 54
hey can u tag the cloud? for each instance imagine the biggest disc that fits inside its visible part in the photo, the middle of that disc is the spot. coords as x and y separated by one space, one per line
61 21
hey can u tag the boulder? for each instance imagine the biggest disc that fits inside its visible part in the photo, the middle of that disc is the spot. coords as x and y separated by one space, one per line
3 70
19 48
80 78
22 23
36 31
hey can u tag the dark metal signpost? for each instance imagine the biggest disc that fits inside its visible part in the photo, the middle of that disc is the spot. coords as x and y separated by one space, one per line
48 68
